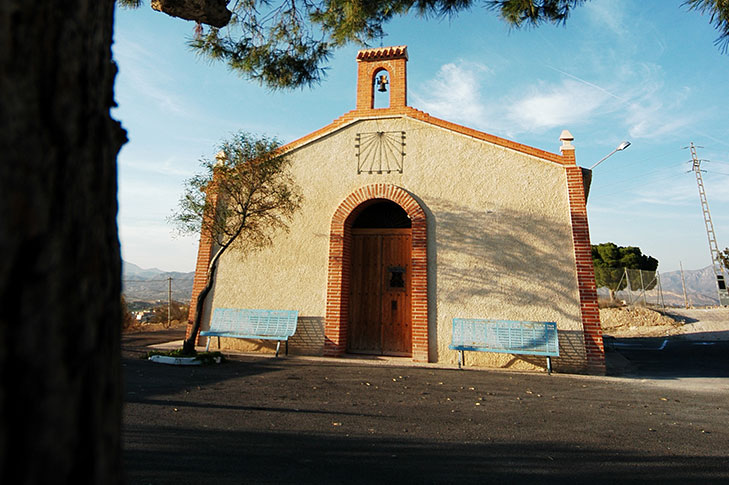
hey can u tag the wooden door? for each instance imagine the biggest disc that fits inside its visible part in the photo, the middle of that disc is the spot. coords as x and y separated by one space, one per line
364 289
379 299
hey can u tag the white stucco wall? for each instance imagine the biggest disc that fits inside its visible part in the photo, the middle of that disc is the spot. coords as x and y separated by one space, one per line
499 238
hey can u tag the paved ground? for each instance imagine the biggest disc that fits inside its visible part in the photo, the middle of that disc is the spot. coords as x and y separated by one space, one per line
708 324
262 420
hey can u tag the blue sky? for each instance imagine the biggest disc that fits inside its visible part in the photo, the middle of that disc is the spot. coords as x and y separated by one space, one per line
643 71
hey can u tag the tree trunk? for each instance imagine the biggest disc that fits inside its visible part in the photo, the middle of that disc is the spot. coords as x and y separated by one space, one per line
60 395
188 346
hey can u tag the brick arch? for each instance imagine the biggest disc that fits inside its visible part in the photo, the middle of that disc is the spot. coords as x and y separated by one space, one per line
377 70
340 241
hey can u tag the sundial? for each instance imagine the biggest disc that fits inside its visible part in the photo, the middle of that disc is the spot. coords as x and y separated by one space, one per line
380 152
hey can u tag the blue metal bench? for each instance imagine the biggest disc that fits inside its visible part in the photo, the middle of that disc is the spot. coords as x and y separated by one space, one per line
254 324
505 336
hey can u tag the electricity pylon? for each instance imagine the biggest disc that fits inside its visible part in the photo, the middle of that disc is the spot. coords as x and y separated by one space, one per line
715 260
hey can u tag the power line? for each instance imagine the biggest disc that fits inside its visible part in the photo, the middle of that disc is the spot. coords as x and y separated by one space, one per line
634 186
640 176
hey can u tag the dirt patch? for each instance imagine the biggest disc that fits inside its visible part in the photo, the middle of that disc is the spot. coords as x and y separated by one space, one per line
153 327
695 324
637 322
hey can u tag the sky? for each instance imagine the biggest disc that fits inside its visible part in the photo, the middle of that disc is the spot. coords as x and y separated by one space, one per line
647 72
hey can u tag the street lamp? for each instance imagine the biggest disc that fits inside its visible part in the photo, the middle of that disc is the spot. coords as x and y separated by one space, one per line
620 147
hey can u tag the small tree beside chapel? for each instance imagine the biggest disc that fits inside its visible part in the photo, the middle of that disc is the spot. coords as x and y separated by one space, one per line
242 198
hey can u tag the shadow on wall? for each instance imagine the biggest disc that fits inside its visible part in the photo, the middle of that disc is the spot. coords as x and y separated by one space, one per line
510 262
309 337
571 354
571 359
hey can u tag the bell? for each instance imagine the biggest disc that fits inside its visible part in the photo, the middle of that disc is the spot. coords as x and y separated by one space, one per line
382 83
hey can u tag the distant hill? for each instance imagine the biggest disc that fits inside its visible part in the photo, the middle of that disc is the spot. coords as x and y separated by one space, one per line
151 284
700 287
131 270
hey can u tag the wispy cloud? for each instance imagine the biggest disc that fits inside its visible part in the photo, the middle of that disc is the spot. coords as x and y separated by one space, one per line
150 79
608 15
634 96
662 198
454 94
169 167
588 83
548 106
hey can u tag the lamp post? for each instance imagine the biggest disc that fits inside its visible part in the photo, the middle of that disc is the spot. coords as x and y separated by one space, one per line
620 147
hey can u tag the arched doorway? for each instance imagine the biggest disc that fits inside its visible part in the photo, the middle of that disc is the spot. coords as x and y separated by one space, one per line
380 287
340 266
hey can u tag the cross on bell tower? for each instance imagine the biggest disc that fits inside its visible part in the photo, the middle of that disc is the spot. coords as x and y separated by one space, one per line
371 65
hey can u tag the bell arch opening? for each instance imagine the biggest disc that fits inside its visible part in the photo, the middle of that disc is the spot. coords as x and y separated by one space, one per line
381 89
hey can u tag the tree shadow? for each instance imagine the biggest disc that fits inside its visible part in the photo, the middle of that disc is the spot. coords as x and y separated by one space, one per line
189 455
512 264
145 380
520 258
678 317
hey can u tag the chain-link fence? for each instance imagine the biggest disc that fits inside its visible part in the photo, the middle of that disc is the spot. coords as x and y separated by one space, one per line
693 288
625 286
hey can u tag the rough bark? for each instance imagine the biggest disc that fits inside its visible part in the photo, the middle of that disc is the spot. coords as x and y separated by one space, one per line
210 12
60 389
188 346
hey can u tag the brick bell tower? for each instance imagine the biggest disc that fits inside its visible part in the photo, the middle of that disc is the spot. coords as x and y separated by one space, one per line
372 65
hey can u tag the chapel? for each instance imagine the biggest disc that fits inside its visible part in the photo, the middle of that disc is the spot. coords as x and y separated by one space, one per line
409 221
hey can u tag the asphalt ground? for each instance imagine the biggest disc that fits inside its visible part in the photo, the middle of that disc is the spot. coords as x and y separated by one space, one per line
257 419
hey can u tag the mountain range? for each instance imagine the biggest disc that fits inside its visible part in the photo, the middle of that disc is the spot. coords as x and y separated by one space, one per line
701 288
151 284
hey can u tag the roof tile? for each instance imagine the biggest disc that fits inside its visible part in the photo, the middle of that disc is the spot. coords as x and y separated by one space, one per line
394 52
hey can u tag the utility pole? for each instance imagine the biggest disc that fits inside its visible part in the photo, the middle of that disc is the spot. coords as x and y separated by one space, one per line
683 284
715 260
169 301
660 291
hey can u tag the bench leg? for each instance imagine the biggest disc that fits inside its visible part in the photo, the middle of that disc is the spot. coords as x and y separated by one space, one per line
549 365
207 346
461 358
287 348
278 345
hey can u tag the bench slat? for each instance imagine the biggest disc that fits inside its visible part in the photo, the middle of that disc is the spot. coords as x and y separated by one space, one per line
239 335
247 323
505 336
253 324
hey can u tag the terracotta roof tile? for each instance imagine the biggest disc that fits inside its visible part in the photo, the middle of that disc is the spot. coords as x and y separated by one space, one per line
394 52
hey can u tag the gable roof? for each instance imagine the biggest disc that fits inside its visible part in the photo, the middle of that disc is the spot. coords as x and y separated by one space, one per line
407 111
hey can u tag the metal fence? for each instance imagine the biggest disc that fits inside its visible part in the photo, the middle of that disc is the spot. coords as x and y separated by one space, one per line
633 287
